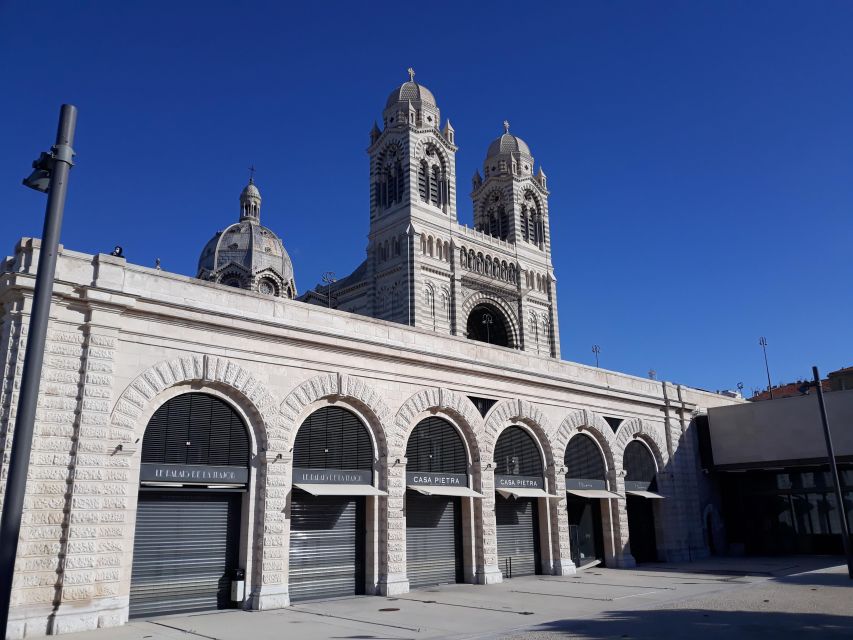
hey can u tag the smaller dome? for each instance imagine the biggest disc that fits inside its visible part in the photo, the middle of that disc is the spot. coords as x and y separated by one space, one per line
507 143
410 91
250 190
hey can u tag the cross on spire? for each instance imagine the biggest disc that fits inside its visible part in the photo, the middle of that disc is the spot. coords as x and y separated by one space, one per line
411 74
252 174
506 126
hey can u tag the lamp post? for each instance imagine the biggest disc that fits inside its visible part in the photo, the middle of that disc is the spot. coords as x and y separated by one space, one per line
833 467
596 350
50 176
763 342
487 322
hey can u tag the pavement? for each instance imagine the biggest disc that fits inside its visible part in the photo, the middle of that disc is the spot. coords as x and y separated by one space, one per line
732 598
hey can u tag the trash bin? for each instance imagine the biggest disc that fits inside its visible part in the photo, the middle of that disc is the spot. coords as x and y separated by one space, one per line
238 585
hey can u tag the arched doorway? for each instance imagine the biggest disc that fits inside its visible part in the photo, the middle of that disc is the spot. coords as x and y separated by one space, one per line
640 494
586 496
437 481
519 484
487 323
193 476
333 475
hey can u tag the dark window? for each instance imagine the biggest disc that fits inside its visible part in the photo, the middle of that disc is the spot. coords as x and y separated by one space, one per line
435 445
487 324
483 404
638 463
333 438
516 454
583 459
613 422
196 428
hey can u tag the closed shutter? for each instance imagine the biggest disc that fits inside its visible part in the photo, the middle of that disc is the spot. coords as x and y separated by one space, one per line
432 540
185 551
326 546
518 534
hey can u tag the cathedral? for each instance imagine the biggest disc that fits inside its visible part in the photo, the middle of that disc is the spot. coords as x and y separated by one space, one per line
218 440
494 283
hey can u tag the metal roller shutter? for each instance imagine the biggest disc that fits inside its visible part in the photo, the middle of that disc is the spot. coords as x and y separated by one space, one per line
326 546
518 536
185 550
432 540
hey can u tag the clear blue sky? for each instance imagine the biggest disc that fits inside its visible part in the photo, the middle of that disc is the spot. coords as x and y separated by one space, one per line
699 153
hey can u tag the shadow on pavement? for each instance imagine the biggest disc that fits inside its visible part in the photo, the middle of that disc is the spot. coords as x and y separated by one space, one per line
697 624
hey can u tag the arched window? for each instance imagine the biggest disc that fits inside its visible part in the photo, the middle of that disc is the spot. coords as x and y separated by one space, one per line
196 428
333 438
423 244
583 459
638 463
429 246
423 181
435 446
434 191
429 300
517 454
447 252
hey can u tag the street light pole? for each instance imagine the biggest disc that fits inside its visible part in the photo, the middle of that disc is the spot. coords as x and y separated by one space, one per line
57 165
833 467
763 342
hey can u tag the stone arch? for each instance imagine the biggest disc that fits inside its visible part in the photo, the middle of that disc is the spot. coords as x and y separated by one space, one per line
521 412
438 401
234 383
137 402
590 423
637 428
511 317
337 388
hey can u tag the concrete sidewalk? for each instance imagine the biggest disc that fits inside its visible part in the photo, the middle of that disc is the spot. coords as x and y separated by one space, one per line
659 600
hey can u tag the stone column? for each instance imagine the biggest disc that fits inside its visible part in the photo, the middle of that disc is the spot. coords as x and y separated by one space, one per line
561 546
101 494
617 545
488 571
393 579
272 529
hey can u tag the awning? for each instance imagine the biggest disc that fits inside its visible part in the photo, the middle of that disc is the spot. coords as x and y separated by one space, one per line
508 492
434 490
646 494
593 493
340 489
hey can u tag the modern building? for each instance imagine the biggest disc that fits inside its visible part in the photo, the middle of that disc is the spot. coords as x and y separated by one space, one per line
772 492
212 442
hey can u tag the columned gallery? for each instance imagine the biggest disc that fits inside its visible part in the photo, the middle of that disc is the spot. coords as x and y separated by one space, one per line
217 442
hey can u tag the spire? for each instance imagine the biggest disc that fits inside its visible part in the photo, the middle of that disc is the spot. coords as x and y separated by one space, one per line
250 200
448 132
477 180
375 133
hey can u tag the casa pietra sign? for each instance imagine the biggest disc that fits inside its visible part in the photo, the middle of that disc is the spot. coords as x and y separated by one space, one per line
193 474
518 482
332 476
430 479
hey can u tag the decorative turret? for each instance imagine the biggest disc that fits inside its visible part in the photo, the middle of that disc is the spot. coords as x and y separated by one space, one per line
448 132
248 255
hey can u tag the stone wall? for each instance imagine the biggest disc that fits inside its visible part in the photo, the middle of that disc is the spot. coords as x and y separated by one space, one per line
124 339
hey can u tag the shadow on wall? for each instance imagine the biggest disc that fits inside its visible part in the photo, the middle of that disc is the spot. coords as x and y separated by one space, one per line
696 624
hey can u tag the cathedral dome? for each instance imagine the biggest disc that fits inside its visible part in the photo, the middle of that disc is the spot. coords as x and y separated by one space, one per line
411 91
247 254
507 143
